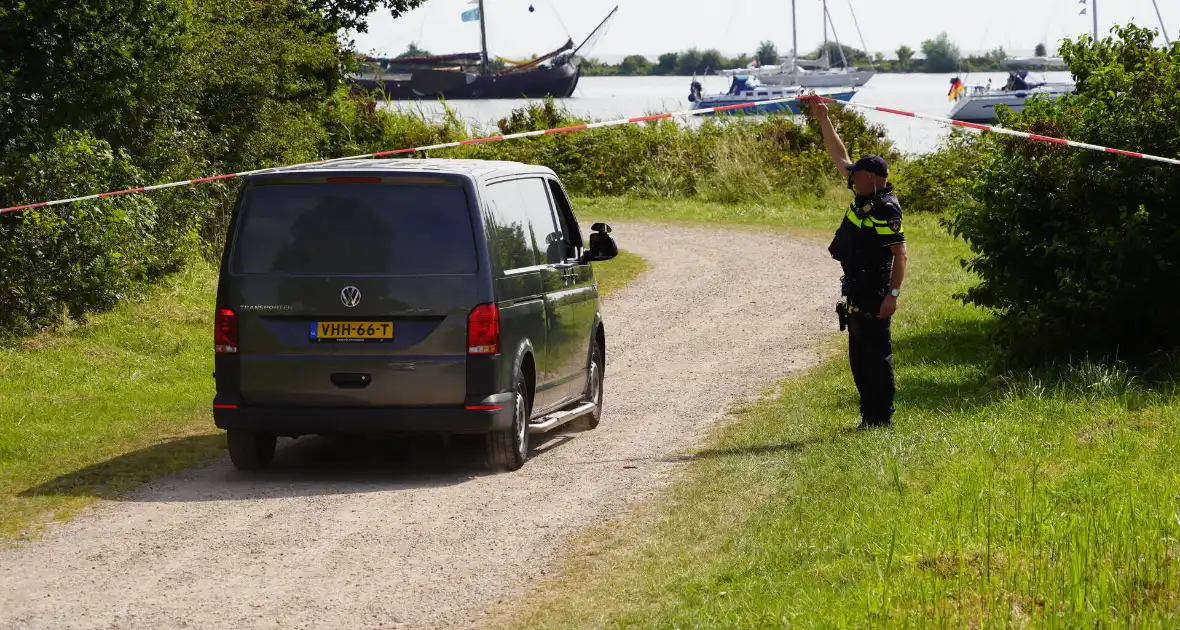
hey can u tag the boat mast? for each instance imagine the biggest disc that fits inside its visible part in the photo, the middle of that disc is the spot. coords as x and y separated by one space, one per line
483 38
859 34
1094 13
827 61
1163 28
794 46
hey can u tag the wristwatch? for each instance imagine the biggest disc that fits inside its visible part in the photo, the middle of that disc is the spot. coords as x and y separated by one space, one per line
895 292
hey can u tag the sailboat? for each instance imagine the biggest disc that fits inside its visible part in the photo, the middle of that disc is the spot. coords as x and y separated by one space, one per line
472 76
978 104
745 88
824 76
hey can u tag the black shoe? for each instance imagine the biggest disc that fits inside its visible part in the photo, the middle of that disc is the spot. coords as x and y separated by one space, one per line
866 424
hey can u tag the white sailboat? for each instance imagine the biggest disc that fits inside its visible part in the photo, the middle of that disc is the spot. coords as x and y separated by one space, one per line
978 104
745 88
826 76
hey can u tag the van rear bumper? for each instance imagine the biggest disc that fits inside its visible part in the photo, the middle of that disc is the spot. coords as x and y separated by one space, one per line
482 415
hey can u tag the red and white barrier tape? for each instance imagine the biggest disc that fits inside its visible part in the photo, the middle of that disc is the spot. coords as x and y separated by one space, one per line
1001 130
598 125
445 145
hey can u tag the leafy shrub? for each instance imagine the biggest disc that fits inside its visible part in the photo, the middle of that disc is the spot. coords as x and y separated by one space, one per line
1079 251
69 260
940 181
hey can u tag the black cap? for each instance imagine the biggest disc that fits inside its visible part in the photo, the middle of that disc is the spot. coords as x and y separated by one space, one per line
874 164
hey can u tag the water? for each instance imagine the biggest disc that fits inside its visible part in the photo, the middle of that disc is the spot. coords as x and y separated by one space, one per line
604 98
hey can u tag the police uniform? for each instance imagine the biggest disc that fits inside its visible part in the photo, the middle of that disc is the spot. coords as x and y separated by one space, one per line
862 246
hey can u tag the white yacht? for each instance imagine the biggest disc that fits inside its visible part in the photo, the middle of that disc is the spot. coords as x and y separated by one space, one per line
978 104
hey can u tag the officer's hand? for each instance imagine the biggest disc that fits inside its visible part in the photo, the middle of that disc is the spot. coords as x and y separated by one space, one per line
818 108
888 307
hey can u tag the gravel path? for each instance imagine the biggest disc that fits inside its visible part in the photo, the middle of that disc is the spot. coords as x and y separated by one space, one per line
406 534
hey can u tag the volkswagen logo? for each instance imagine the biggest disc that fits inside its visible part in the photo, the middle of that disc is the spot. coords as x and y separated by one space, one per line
350 296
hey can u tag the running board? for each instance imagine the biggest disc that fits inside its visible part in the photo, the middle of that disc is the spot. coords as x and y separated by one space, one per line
554 420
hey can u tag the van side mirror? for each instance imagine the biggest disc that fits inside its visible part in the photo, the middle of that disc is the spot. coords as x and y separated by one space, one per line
602 246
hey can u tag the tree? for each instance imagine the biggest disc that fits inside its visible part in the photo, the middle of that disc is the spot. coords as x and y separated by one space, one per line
94 66
741 61
942 55
767 53
667 64
904 55
354 14
689 62
1040 52
711 61
414 51
634 65
853 55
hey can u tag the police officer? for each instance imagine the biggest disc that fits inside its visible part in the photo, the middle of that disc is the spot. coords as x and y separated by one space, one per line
870 245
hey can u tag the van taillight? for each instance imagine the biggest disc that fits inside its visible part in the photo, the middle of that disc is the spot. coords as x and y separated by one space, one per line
483 330
225 332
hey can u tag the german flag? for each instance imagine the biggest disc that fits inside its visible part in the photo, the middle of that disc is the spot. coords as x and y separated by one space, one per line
957 88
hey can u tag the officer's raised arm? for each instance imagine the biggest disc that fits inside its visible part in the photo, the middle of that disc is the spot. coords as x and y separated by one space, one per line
835 146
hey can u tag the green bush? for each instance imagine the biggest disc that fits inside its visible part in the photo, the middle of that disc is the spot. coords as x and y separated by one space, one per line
1079 251
70 260
942 180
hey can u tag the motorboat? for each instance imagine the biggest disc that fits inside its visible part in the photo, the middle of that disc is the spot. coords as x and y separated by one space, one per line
748 89
978 104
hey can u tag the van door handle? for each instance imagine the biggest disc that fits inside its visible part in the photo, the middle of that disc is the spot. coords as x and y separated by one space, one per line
346 380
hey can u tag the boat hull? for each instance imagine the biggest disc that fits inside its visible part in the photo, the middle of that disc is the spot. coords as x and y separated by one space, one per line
558 81
820 80
981 109
781 107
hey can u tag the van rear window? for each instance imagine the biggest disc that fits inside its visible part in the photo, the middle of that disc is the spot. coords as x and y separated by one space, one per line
354 229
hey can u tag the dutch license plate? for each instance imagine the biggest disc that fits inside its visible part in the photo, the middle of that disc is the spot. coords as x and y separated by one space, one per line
352 331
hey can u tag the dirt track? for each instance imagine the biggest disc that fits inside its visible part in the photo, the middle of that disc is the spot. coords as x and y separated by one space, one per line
379 535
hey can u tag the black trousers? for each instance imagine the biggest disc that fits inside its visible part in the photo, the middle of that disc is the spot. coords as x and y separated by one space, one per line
870 355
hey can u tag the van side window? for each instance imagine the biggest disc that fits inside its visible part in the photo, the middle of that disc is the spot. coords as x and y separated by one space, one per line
546 237
567 220
508 231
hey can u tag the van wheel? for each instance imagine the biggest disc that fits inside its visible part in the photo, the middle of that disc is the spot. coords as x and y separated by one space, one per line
249 450
508 449
594 388
594 379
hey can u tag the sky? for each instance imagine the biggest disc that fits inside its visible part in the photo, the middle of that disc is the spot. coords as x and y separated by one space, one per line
651 27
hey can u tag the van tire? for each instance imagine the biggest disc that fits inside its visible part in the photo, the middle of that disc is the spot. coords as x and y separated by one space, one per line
508 449
249 450
595 372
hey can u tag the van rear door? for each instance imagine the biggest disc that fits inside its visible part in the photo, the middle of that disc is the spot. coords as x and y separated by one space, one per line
354 291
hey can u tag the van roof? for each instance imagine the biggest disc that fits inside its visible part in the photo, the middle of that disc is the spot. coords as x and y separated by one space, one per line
478 170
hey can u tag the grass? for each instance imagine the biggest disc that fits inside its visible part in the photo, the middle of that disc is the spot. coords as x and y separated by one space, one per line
93 411
1031 500
618 273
